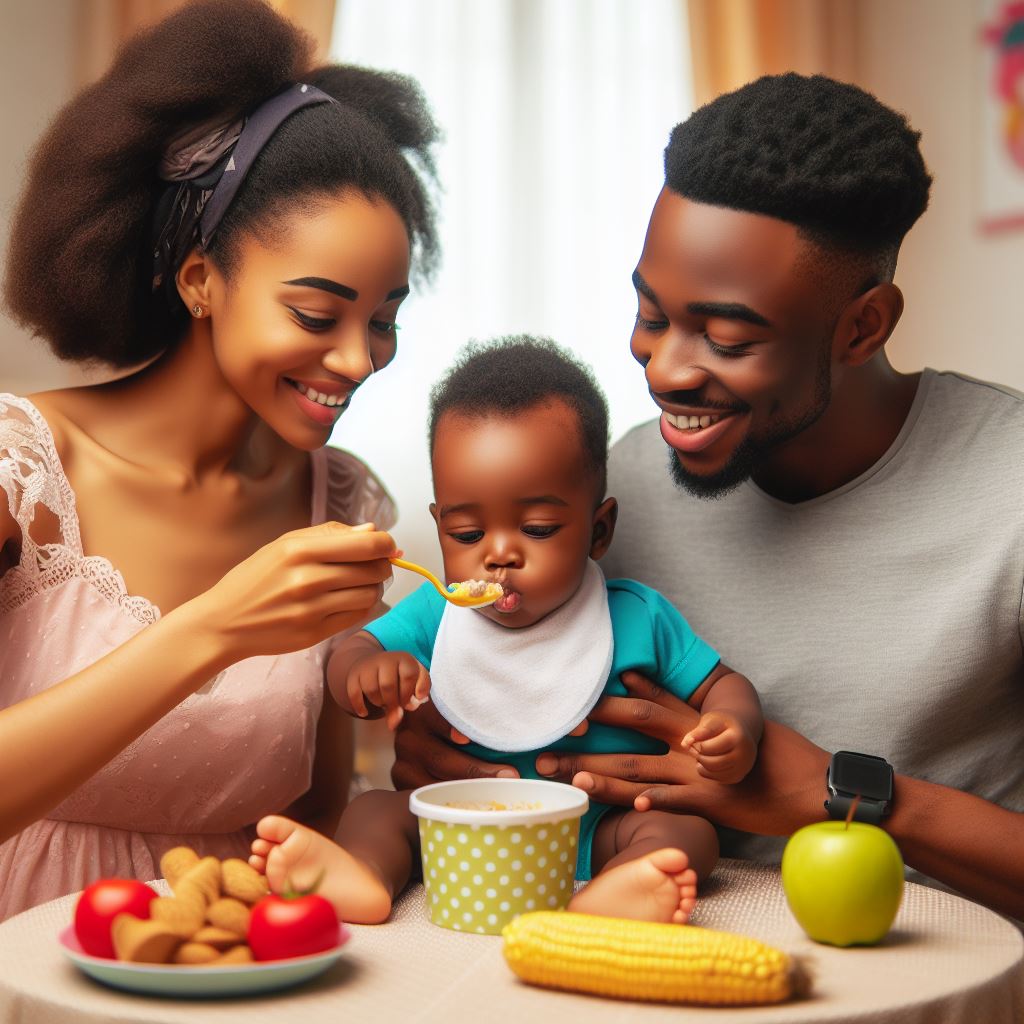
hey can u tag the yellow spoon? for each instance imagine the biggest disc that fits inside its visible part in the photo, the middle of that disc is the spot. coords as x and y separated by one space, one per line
457 597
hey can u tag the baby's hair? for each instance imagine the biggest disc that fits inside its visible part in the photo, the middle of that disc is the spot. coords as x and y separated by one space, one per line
507 376
80 262
823 155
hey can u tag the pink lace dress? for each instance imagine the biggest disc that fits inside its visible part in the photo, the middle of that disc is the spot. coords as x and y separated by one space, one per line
239 748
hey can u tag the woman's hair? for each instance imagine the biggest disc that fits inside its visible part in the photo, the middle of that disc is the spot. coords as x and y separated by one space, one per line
507 376
80 262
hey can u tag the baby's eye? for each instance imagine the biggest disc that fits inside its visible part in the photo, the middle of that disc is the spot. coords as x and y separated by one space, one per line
541 531
467 536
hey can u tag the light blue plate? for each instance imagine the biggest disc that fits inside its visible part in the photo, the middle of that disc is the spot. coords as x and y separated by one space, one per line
201 982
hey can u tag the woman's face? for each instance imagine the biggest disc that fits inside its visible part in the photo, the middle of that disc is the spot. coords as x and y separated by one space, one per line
308 313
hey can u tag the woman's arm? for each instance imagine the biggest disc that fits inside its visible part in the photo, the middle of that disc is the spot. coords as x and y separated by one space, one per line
51 742
290 594
959 839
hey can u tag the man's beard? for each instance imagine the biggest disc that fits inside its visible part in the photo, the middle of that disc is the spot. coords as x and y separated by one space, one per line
751 452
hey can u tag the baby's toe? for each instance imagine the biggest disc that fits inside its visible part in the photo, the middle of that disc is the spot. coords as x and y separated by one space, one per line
275 828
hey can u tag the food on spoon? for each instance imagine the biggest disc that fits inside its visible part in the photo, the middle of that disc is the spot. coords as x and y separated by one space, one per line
476 590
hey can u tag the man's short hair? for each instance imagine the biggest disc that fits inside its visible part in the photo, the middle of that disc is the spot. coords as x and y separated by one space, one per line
823 155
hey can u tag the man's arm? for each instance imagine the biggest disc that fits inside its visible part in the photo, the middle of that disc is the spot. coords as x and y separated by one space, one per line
959 839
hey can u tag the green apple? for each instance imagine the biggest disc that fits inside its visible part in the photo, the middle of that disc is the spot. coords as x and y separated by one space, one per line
843 881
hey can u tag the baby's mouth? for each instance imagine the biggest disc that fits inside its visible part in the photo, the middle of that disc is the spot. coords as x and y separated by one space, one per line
509 602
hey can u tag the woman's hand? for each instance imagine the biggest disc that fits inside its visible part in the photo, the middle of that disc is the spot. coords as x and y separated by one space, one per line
424 755
298 590
784 791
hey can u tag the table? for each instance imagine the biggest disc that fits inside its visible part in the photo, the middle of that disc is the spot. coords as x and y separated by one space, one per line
946 961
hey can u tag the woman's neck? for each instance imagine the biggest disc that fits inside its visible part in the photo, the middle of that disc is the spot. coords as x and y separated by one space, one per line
179 415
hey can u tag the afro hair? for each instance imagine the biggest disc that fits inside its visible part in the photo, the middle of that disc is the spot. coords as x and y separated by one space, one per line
822 155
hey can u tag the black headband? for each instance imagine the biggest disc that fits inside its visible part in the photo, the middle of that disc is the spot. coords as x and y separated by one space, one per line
206 172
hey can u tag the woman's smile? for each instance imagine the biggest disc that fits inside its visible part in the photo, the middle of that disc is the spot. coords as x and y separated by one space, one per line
320 407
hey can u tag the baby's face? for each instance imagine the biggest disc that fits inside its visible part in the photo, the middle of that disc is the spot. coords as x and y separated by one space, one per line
514 503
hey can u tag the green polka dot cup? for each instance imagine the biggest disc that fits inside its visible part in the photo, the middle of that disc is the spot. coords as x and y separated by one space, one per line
496 848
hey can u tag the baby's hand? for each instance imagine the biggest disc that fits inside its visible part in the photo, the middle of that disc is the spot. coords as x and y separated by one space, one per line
724 750
392 680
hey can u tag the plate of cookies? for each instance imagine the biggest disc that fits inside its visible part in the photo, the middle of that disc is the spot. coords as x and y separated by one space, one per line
192 944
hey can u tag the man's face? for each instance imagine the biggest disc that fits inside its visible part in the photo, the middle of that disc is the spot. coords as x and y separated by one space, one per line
514 504
734 333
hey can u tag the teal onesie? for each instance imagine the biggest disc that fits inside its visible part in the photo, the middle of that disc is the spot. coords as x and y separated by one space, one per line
649 636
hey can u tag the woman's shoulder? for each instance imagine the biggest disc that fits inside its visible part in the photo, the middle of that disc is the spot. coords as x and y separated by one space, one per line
30 428
354 493
31 470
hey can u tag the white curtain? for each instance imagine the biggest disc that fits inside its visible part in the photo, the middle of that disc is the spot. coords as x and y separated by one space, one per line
555 114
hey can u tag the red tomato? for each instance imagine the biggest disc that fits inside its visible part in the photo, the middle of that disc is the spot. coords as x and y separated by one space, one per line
100 903
285 926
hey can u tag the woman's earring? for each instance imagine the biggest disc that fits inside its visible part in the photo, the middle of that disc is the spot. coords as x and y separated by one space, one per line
197 310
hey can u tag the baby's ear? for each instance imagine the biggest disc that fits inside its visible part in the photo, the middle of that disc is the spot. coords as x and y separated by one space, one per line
603 528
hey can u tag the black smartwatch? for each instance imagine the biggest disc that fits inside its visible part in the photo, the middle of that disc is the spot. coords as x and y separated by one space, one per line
850 775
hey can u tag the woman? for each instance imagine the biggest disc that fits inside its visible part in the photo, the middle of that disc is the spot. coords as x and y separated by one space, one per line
173 560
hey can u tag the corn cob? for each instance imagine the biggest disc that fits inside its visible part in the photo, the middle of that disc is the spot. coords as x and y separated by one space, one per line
641 960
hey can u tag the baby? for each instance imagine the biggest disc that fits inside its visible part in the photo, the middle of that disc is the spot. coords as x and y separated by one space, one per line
519 439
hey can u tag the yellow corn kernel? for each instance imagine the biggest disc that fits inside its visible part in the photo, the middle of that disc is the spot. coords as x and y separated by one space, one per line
611 956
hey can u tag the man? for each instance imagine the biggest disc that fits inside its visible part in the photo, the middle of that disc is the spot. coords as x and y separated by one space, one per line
849 537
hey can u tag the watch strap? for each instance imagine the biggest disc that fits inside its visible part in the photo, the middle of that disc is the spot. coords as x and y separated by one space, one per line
872 811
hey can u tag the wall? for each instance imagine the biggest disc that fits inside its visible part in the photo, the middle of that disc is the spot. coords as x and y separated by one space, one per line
36 75
964 291
965 302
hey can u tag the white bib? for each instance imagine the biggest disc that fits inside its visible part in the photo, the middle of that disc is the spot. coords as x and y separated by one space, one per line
521 689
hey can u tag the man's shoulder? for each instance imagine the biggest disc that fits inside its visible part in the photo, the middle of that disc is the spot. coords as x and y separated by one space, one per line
955 388
974 425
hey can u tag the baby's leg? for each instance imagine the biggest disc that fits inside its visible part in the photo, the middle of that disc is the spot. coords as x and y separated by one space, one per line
647 865
379 843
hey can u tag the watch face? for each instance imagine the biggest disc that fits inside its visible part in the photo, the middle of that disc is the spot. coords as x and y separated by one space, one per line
861 773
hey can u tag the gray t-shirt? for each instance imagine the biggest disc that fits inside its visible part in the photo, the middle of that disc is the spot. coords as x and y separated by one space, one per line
884 616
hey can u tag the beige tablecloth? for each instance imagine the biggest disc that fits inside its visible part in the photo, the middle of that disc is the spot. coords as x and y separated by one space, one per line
947 961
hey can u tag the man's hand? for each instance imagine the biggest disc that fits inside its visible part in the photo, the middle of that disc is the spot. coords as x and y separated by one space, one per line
784 791
424 755
724 749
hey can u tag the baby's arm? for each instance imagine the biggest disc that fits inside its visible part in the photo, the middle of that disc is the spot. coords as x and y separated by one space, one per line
725 739
367 681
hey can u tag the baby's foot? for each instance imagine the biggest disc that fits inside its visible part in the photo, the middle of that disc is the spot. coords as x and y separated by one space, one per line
293 856
660 886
